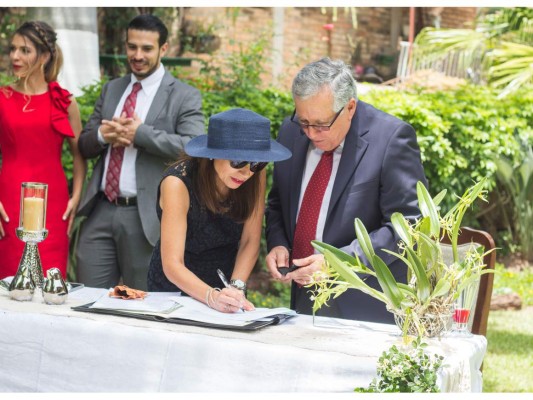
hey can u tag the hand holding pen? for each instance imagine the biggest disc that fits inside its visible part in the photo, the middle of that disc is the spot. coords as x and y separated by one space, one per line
230 298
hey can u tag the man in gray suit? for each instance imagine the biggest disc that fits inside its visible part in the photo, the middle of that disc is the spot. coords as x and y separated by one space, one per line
140 124
374 165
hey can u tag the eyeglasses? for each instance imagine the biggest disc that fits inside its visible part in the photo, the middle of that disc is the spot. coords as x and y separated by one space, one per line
318 128
254 166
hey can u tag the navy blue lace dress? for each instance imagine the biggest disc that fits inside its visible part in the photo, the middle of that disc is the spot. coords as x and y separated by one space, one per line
212 239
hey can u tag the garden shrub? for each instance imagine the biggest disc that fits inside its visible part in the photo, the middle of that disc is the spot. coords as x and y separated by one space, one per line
461 132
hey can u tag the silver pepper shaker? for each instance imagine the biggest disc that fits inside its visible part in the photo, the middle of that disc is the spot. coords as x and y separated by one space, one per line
55 290
22 286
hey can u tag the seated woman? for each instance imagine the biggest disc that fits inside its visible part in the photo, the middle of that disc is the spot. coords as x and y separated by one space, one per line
211 206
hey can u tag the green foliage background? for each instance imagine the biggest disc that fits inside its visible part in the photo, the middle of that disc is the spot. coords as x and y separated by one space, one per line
461 132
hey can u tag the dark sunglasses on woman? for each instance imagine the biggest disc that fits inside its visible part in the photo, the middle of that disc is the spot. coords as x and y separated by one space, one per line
254 166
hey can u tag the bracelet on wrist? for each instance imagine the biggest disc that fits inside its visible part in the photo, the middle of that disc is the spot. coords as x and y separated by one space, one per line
212 300
207 294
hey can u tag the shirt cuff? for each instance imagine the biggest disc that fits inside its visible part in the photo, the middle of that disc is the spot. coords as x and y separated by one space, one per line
101 138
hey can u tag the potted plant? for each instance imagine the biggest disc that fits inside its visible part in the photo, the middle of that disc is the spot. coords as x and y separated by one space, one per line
424 305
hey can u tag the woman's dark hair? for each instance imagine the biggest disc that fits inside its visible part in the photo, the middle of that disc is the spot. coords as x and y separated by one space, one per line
239 204
44 39
148 22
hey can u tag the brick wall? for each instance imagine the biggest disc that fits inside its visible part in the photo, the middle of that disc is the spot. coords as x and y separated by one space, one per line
305 39
458 17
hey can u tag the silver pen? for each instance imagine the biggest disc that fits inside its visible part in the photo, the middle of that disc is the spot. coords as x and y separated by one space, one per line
225 281
223 278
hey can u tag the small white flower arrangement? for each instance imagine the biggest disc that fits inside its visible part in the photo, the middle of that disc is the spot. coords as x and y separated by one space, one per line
408 371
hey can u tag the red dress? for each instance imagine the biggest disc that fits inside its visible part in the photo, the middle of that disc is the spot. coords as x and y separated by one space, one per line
31 141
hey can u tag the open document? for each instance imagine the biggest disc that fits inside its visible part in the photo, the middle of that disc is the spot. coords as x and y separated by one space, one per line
173 308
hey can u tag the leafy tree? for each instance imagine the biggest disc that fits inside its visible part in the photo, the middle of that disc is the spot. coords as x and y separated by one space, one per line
502 39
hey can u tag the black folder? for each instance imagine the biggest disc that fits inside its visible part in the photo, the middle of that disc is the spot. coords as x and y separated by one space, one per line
252 326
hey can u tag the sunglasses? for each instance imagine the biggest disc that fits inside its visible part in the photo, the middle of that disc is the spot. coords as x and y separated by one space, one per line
254 166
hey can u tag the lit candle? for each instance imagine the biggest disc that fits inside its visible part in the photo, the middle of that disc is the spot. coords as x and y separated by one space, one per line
33 217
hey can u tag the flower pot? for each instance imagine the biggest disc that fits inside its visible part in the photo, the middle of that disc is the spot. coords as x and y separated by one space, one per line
432 324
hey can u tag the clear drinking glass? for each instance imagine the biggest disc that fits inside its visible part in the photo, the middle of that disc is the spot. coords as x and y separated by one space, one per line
464 309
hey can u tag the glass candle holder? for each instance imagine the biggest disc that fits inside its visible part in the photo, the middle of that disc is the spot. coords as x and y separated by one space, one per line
33 197
32 229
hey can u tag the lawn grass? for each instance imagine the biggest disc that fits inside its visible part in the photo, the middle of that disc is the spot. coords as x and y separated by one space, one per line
508 364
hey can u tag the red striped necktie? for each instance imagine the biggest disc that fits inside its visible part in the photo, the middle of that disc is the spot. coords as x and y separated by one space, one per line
310 208
117 153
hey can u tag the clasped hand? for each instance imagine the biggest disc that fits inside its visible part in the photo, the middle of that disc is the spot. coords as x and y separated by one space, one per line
230 300
120 131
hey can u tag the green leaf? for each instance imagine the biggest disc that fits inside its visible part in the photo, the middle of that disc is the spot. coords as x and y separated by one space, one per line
439 197
364 240
342 256
442 288
428 208
352 278
424 225
387 282
406 288
402 228
422 281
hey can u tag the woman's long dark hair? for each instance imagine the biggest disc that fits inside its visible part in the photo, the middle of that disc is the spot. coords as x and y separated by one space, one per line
239 204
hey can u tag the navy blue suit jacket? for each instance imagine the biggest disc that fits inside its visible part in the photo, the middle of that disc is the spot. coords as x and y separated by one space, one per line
377 175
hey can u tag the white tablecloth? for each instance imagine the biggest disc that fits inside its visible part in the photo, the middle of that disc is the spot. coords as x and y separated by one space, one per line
46 348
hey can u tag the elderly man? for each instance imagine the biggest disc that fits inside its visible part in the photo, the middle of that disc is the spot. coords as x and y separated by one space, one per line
350 160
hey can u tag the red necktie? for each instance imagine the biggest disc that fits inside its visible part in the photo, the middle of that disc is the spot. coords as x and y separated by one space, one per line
310 208
117 153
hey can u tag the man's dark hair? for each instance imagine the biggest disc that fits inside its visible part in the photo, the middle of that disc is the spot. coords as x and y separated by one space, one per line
148 22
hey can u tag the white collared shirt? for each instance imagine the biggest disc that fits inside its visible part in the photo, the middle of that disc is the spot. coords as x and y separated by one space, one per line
145 97
312 160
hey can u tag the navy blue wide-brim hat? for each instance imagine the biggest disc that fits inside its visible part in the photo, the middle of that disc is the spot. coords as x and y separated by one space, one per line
238 135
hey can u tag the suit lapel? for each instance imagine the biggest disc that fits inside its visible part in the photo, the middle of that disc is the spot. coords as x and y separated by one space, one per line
115 94
161 97
354 148
299 156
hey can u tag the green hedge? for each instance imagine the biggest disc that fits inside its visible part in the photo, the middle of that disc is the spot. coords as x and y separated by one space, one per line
461 132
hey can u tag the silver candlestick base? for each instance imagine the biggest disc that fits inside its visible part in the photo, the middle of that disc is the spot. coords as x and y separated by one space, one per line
31 260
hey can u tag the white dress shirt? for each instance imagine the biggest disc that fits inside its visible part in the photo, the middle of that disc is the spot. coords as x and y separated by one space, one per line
313 158
145 96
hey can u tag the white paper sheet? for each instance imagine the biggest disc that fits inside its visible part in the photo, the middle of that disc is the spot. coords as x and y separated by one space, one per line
170 305
197 311
155 302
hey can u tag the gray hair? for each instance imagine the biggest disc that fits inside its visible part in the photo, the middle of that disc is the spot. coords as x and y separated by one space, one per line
334 73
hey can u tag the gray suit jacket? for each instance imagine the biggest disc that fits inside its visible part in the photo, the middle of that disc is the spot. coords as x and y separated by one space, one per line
174 117
378 171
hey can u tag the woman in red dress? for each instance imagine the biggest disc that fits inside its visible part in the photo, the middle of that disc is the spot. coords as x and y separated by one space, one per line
36 115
